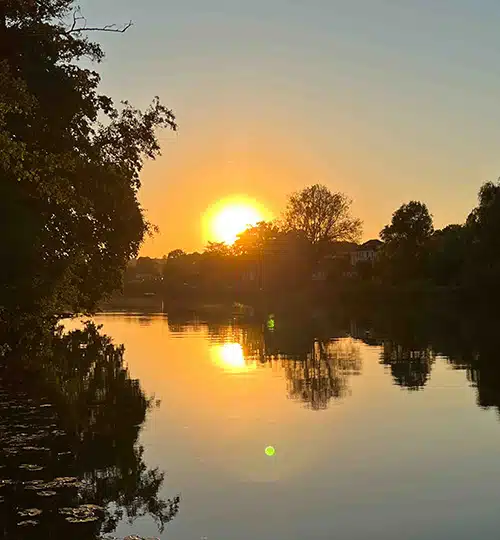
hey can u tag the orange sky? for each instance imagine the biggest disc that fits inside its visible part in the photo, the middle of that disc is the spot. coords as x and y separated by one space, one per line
386 101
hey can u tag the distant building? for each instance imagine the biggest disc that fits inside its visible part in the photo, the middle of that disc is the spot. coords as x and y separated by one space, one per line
365 253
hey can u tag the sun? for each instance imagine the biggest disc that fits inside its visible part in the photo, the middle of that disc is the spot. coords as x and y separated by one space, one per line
233 220
228 218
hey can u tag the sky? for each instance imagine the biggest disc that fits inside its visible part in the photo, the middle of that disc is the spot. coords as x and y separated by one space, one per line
384 100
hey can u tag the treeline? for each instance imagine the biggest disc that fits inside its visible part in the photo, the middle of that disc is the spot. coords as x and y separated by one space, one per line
273 255
459 255
313 244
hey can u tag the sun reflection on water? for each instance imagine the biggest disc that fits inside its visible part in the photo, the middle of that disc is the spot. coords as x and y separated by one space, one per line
231 358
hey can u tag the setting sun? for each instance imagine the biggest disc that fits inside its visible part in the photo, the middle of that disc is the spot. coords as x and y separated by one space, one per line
230 217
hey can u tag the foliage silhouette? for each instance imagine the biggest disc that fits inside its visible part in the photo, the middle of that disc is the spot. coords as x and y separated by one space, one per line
406 242
69 162
321 215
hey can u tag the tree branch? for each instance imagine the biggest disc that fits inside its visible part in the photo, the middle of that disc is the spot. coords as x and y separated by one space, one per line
77 16
107 28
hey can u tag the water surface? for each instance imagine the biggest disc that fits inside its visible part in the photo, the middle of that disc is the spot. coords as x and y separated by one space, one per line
376 436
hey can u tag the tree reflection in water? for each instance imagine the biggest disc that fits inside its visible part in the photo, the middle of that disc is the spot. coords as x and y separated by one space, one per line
323 373
318 361
410 367
71 465
316 369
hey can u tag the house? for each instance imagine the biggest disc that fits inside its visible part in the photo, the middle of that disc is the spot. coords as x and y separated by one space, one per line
365 253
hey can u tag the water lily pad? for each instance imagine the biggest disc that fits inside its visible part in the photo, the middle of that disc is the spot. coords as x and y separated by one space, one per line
81 510
88 519
6 482
28 523
31 467
35 484
86 513
46 493
64 482
30 512
134 537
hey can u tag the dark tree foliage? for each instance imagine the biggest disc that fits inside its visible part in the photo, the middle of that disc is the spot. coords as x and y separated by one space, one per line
321 215
176 254
483 224
448 252
256 240
406 241
69 165
146 265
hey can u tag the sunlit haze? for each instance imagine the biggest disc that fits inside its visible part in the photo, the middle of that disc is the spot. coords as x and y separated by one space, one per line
386 101
229 217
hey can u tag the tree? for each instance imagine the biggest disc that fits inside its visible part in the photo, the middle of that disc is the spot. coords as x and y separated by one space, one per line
406 241
147 266
70 164
217 249
411 222
278 259
483 225
321 215
176 254
254 240
448 252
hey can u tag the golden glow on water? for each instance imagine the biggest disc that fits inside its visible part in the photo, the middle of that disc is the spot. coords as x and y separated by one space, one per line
229 217
348 442
230 357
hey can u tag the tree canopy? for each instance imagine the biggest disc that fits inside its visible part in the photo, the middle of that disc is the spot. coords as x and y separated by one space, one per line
70 163
483 225
323 216
411 222
406 239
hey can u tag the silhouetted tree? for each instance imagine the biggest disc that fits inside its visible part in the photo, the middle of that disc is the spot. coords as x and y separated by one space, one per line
323 216
256 240
448 252
483 224
217 249
147 266
407 241
69 163
176 254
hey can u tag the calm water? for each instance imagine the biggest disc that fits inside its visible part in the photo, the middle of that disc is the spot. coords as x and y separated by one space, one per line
383 430
376 440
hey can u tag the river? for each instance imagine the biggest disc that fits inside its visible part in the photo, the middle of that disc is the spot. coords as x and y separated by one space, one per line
297 431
